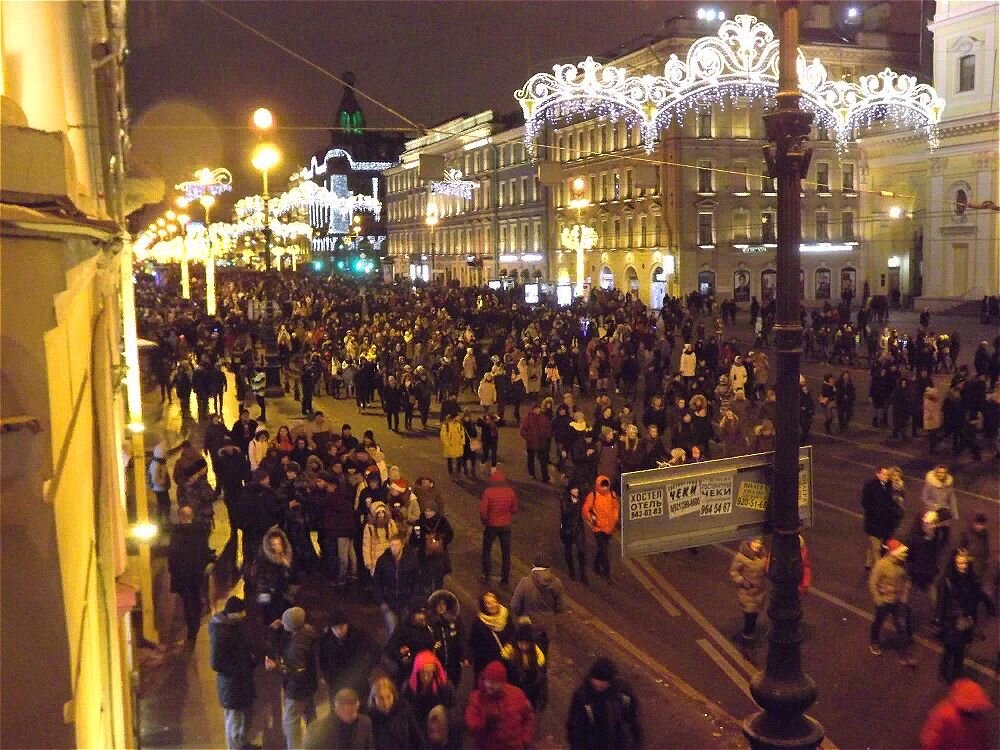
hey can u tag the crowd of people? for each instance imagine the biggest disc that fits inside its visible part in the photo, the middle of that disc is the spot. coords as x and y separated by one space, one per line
604 387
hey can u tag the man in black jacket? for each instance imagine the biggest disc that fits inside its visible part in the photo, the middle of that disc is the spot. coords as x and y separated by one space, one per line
882 514
604 712
187 557
346 655
257 511
394 581
233 661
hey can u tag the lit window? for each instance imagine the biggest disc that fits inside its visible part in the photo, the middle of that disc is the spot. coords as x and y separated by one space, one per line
704 123
822 226
767 229
738 179
740 226
823 177
967 73
847 225
618 186
767 184
822 133
642 231
961 202
706 229
847 176
704 176
618 234
628 183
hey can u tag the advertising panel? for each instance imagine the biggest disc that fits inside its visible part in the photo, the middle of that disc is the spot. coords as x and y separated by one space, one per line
714 501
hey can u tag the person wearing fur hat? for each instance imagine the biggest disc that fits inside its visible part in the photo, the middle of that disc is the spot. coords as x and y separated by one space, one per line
273 574
603 712
232 659
295 660
498 714
430 536
938 495
748 571
526 664
449 633
889 585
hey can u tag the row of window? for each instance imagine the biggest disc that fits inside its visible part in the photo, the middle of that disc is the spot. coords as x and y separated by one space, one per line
471 163
740 229
520 237
641 232
605 187
514 192
740 180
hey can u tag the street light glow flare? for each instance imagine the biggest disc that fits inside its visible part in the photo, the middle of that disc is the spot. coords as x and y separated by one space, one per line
207 201
182 202
263 119
144 532
895 212
265 157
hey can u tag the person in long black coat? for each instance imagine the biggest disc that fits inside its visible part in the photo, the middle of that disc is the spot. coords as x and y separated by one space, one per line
882 514
232 659
959 595
187 557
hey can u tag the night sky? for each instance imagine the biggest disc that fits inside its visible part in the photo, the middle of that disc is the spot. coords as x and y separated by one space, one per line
429 60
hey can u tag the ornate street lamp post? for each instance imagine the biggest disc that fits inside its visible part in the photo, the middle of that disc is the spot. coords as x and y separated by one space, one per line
783 690
208 184
431 221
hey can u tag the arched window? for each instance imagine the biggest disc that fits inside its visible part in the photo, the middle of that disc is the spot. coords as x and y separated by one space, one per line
961 201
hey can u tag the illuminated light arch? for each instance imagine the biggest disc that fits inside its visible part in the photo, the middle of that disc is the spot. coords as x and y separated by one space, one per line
740 61
317 167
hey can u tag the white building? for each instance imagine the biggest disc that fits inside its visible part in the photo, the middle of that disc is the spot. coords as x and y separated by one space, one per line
961 258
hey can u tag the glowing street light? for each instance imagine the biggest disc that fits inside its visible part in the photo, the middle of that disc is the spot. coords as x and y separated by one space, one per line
263 119
895 212
431 220
266 157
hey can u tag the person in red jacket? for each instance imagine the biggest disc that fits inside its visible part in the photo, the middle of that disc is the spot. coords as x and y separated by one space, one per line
536 429
497 509
600 512
498 714
807 576
960 721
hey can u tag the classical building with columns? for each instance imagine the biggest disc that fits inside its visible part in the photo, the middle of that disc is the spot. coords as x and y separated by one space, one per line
961 253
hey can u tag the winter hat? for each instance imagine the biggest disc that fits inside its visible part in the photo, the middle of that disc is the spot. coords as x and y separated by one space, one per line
293 466
895 547
233 605
339 617
399 485
417 603
495 671
968 696
602 669
430 504
980 518
293 618
542 560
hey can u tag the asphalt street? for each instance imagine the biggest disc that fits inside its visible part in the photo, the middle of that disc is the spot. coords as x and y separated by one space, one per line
670 619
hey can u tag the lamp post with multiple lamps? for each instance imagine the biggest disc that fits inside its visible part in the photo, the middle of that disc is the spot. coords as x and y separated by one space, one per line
265 157
579 237
782 689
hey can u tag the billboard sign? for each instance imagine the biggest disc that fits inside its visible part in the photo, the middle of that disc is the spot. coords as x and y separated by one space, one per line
696 504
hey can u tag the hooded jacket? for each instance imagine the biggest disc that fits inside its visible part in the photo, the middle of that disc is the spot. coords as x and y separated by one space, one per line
452 439
502 722
601 508
449 633
960 721
498 504
538 593
375 539
888 581
748 571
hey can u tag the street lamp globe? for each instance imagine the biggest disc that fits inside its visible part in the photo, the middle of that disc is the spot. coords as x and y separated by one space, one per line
182 202
895 212
183 219
263 119
265 157
171 216
207 201
161 222
579 184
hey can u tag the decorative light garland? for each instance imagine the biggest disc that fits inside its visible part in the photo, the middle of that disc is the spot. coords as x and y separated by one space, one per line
741 61
317 167
578 237
208 182
453 184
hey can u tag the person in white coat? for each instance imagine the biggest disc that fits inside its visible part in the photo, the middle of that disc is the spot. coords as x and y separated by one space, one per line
257 449
738 375
487 391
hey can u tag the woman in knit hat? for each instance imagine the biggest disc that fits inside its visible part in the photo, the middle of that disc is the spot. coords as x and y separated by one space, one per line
430 536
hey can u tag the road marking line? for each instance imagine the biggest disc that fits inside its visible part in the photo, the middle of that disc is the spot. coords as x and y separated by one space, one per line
834 506
652 590
713 653
987 498
869 617
702 621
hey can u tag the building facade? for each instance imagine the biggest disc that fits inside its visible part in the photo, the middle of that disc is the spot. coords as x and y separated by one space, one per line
961 253
706 220
348 214
486 208
67 587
